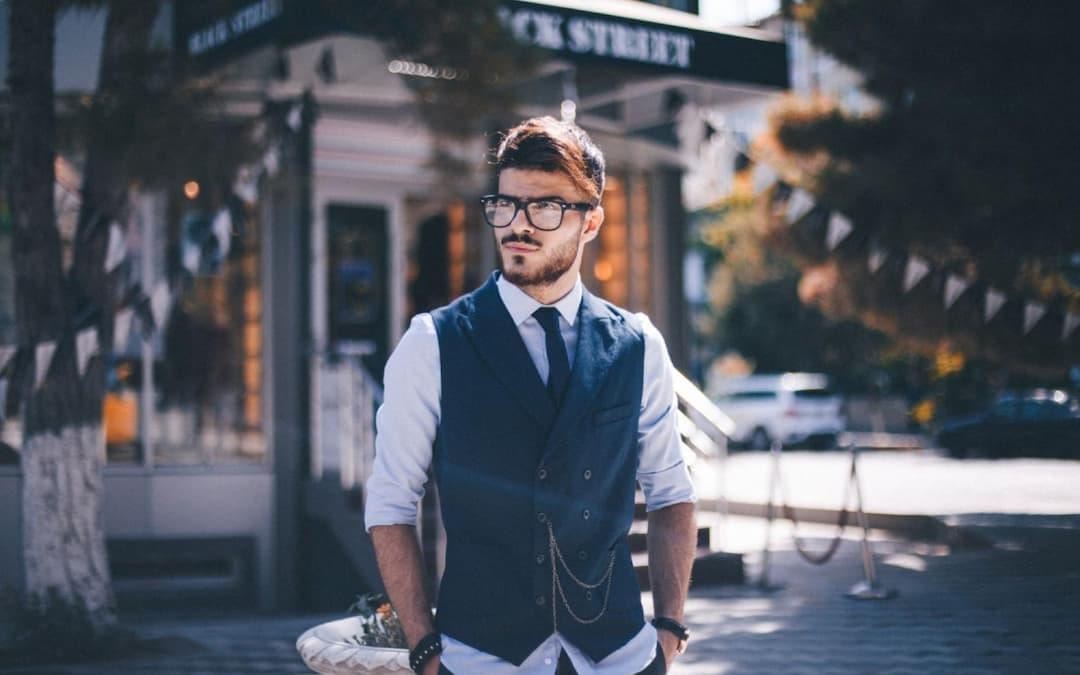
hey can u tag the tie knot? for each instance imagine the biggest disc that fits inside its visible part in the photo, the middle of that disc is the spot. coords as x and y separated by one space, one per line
549 319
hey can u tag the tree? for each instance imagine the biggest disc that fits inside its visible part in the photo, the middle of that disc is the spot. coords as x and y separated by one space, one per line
969 163
143 128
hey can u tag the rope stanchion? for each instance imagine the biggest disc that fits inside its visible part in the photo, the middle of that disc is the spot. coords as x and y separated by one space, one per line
868 588
774 484
841 524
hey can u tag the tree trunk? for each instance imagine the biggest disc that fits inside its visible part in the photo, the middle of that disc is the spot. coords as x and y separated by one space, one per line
63 542
63 441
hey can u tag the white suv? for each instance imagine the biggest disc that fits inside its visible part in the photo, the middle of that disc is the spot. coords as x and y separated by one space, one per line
795 408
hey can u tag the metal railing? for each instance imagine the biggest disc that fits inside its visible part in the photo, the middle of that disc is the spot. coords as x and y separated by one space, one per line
343 420
704 428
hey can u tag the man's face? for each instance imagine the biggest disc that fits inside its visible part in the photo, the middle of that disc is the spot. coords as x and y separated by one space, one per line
533 257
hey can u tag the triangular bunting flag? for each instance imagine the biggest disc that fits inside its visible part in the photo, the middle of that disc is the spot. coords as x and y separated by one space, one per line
222 227
294 119
799 203
839 229
876 258
955 285
114 254
6 352
246 185
159 304
271 161
86 346
762 176
994 300
1033 311
916 269
122 328
190 256
43 356
1071 322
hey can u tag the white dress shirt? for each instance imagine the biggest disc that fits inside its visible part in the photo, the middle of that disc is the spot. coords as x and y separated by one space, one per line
406 424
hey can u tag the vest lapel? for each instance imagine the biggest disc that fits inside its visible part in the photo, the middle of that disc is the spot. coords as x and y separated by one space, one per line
596 350
498 343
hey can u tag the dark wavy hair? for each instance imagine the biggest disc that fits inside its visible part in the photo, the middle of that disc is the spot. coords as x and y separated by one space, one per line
546 144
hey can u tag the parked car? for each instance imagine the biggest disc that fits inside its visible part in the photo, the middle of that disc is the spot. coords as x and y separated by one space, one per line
795 408
1040 423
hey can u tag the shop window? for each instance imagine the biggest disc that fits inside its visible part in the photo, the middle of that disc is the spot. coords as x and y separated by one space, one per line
207 377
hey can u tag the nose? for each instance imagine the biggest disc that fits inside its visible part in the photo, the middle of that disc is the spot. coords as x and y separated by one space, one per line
521 223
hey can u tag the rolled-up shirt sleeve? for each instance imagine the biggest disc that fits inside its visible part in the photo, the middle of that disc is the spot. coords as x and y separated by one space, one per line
405 424
662 473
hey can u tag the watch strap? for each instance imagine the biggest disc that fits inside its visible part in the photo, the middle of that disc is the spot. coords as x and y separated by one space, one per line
672 626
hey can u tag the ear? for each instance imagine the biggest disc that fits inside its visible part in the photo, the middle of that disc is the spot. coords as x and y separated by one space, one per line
592 224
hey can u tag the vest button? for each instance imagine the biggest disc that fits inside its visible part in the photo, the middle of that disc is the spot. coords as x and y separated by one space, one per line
542 473
588 595
539 558
581 554
540 600
542 517
587 474
585 514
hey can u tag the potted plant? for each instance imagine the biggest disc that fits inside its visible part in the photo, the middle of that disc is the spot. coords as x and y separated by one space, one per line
371 642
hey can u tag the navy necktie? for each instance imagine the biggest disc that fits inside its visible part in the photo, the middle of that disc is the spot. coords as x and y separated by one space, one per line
558 362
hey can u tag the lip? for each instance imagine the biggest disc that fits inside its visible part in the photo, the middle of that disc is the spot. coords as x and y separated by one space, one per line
517 248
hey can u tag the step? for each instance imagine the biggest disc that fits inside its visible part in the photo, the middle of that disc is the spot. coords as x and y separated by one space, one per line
711 568
637 539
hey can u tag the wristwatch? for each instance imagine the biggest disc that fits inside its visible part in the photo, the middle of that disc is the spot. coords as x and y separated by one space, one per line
677 629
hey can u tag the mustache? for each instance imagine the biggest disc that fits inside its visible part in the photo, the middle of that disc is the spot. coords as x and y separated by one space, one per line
514 238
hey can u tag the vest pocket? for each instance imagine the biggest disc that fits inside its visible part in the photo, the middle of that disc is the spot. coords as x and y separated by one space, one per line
613 414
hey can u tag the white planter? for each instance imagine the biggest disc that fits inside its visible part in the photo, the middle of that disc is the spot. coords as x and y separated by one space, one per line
327 648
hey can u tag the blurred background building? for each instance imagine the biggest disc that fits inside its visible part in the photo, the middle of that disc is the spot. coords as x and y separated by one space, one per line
238 436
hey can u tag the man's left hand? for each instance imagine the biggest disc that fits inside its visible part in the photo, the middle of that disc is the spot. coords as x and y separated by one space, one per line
669 642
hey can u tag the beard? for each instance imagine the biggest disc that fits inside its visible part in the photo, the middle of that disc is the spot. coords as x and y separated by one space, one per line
558 262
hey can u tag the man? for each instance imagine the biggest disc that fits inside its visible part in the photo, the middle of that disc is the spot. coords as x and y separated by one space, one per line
538 405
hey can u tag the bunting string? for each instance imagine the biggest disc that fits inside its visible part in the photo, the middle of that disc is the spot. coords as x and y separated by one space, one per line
800 202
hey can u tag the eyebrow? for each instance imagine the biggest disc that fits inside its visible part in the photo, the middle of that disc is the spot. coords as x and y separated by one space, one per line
541 198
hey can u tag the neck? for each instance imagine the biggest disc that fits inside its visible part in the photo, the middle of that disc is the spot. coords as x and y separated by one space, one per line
548 294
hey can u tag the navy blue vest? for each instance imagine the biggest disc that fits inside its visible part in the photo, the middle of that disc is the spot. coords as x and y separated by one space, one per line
508 464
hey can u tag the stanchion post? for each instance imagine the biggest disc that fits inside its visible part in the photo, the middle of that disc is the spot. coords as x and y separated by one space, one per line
770 512
868 588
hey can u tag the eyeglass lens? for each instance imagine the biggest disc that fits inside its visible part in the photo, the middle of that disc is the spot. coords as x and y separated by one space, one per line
544 214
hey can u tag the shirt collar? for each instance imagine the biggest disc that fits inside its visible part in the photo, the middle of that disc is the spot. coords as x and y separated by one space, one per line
521 306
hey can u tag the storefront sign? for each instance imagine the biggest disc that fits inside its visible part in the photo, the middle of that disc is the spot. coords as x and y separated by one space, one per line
211 32
588 36
241 22
582 34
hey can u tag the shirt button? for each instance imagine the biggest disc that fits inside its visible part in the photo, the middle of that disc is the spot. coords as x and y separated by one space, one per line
539 558
587 474
542 517
540 600
542 473
547 662
585 514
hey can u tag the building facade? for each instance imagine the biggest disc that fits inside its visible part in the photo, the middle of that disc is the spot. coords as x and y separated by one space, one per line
239 435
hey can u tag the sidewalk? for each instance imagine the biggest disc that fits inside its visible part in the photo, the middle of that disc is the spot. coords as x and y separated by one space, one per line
963 613
986 611
1001 609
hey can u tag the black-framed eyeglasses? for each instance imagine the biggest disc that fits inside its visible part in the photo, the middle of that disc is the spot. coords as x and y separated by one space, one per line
543 213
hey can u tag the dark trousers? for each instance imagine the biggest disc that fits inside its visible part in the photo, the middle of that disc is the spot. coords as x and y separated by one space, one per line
565 667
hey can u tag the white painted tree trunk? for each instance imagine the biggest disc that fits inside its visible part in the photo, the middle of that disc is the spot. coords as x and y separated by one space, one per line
63 528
